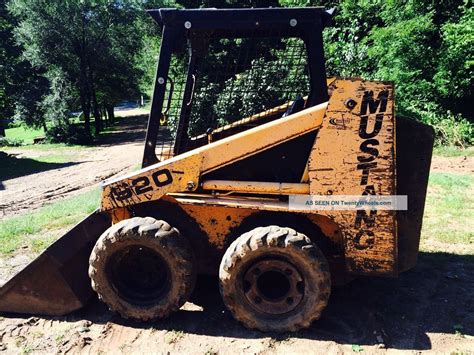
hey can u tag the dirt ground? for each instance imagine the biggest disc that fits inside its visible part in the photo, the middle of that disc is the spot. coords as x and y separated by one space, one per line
430 308
118 152
460 164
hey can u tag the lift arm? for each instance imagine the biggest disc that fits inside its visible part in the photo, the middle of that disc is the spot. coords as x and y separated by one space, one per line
182 173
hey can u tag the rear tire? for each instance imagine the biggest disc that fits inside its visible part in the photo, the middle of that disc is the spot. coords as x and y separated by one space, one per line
142 268
274 279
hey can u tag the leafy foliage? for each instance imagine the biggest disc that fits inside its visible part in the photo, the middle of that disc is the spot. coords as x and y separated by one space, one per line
68 133
87 55
86 50
426 50
456 62
10 142
241 97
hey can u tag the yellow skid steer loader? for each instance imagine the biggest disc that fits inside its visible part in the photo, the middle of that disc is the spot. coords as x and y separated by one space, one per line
247 143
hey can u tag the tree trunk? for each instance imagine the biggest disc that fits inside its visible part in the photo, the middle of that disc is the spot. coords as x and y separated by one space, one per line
106 119
110 113
85 105
84 91
84 96
97 117
87 121
95 105
2 128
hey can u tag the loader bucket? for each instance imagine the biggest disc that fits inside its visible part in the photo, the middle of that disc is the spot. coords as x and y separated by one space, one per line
56 282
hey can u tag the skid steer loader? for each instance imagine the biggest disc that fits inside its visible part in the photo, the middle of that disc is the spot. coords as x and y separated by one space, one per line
243 121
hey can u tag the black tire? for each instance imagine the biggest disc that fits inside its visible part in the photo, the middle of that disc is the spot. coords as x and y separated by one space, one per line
142 268
252 280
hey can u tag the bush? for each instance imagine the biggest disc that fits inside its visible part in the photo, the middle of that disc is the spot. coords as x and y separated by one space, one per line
11 123
68 133
453 130
450 129
10 142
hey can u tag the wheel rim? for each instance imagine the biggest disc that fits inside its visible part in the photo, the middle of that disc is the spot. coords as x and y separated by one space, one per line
273 286
138 274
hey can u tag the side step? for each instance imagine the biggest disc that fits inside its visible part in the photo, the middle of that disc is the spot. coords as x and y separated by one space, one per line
56 282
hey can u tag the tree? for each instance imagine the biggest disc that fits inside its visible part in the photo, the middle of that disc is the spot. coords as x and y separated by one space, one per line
455 71
90 42
101 51
14 71
403 54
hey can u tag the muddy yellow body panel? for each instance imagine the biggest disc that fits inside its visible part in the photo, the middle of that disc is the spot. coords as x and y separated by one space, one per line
355 155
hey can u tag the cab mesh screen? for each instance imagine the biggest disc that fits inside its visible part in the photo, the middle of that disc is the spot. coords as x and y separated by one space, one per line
233 84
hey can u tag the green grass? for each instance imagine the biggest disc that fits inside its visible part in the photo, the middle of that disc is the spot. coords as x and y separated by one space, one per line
449 208
48 146
452 151
18 231
56 158
23 133
28 134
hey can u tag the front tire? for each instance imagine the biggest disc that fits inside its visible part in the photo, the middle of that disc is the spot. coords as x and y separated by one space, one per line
274 279
142 268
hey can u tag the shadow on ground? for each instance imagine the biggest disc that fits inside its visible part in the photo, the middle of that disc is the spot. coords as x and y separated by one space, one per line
130 129
435 297
127 130
13 167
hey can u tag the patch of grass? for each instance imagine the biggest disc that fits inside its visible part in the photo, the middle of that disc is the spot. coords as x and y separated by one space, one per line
19 340
125 348
56 147
24 133
357 348
26 350
449 208
59 338
48 146
16 231
452 151
174 336
37 334
56 158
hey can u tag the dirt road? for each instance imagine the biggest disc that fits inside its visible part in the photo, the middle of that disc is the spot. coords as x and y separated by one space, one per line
119 151
462 164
